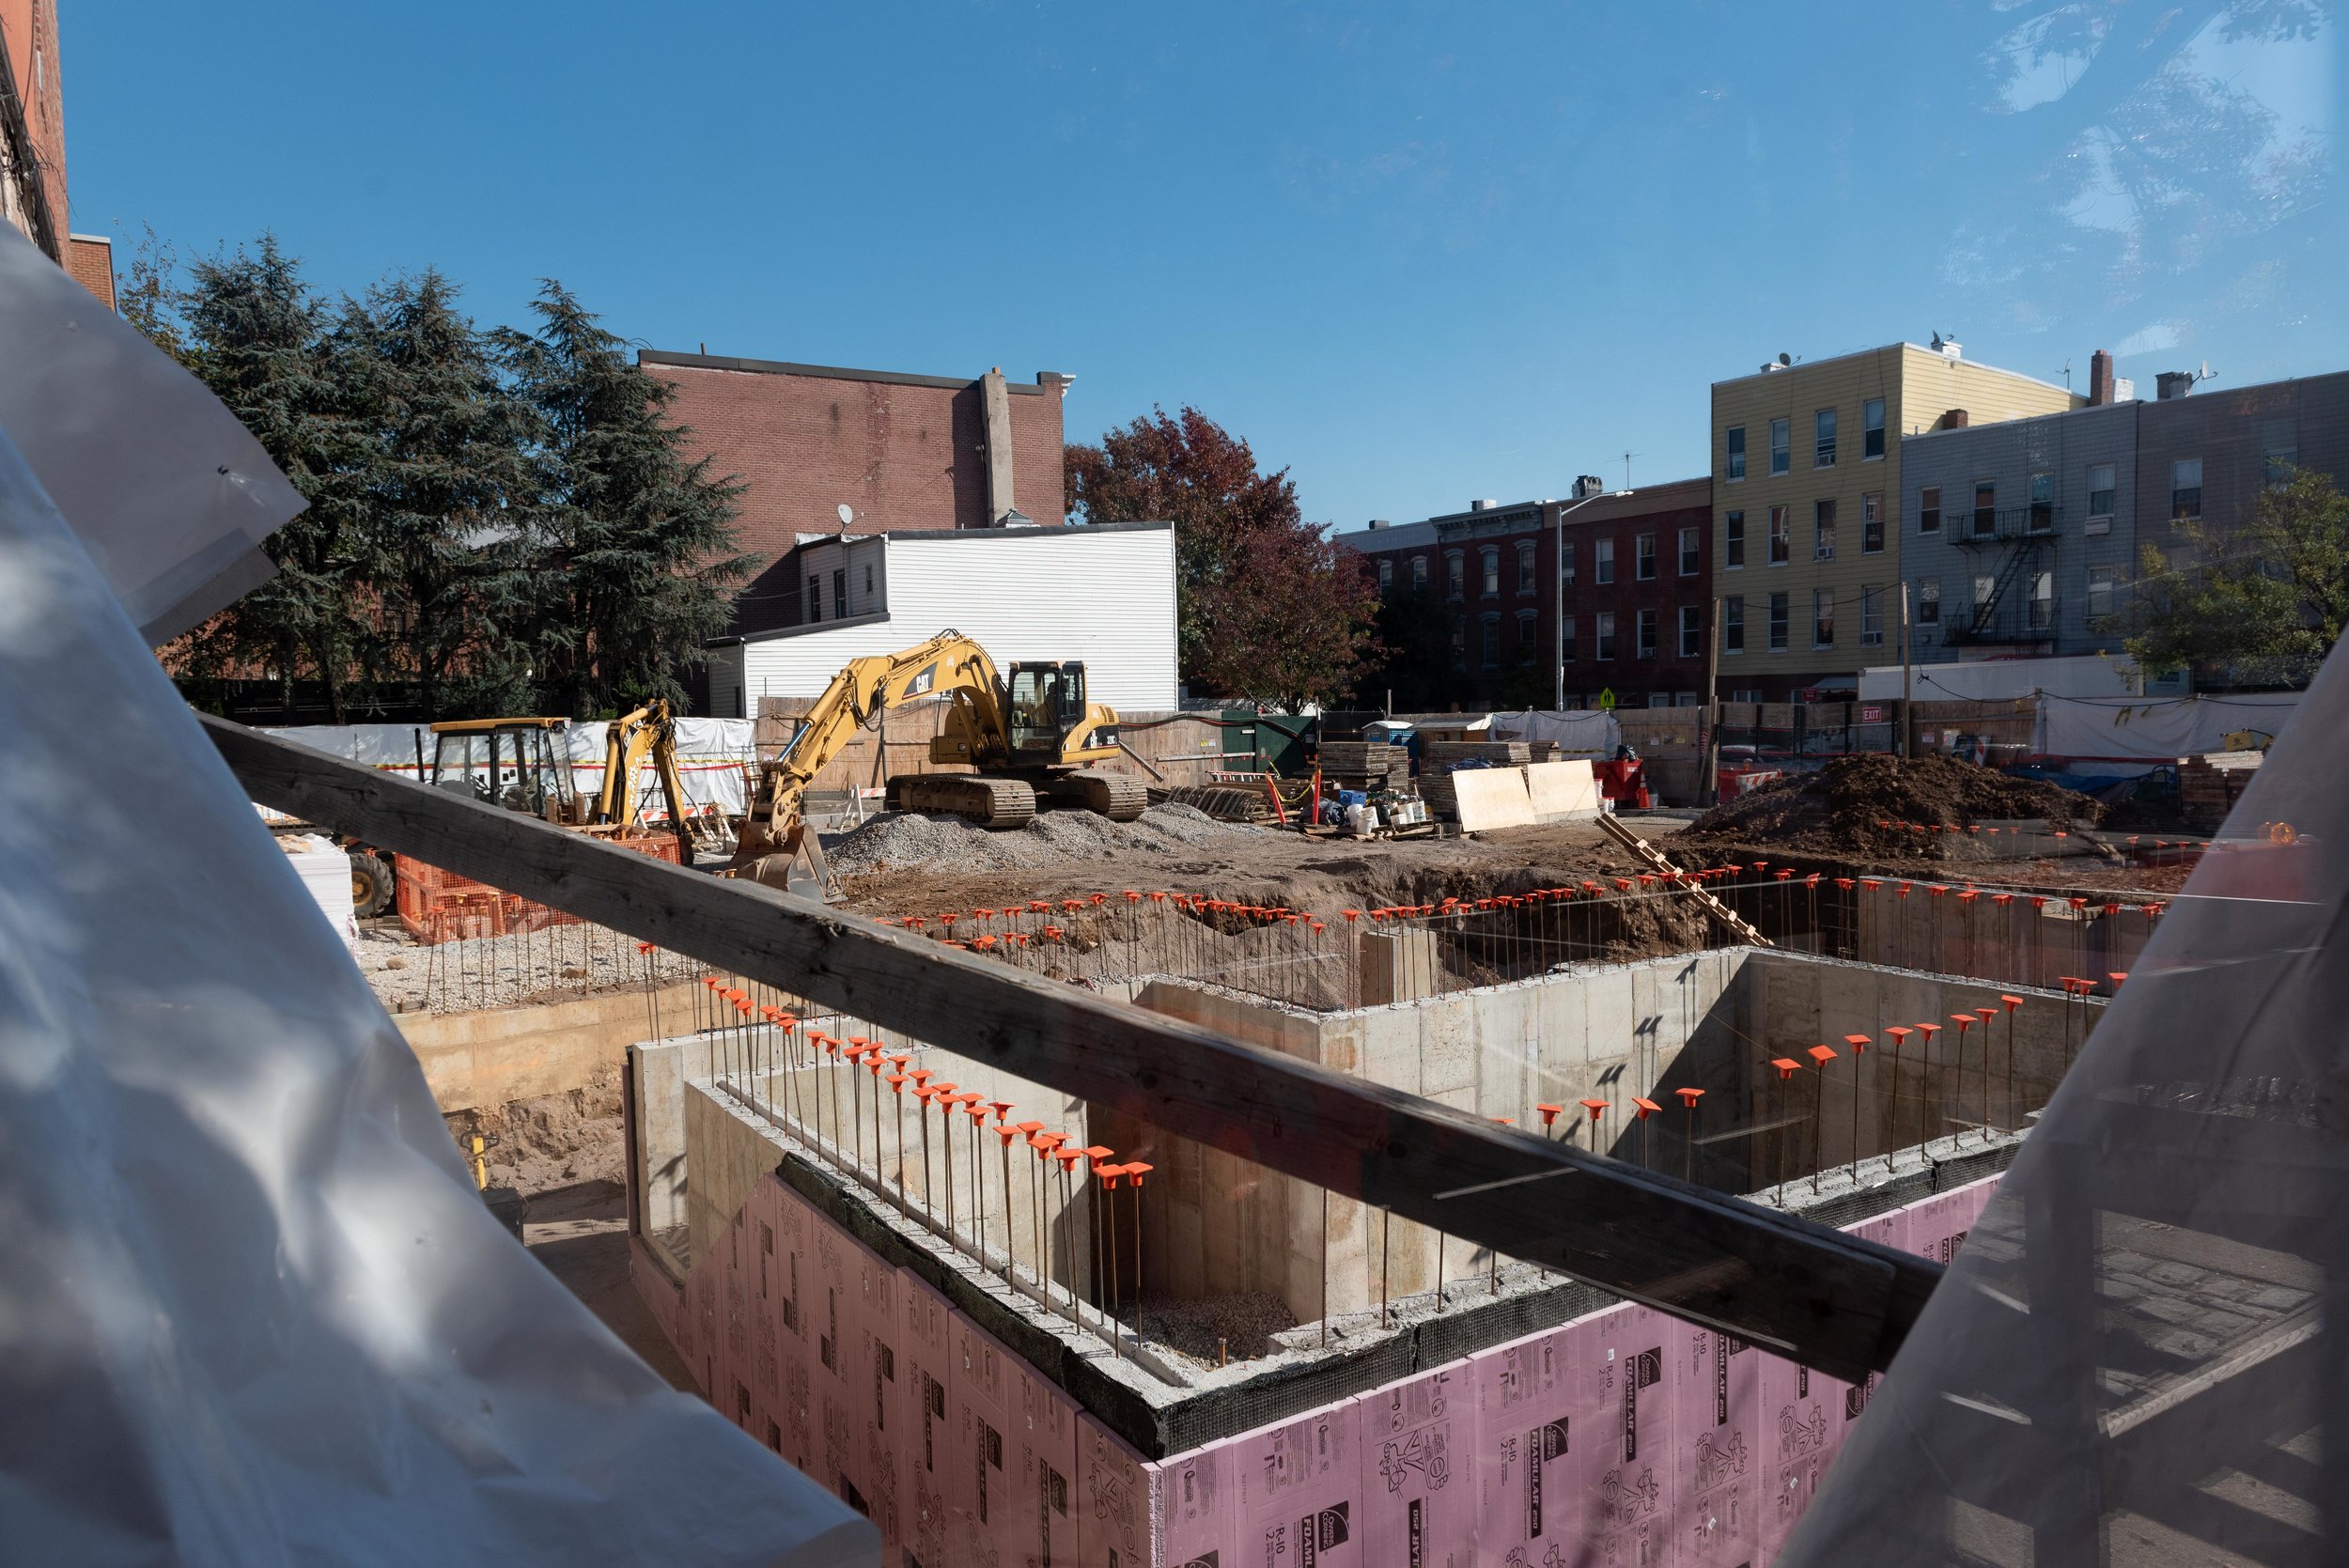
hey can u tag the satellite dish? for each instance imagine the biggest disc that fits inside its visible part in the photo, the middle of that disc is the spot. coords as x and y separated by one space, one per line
1936 342
847 514
1783 359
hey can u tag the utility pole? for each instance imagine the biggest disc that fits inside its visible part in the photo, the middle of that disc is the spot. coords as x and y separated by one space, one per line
1708 790
1907 728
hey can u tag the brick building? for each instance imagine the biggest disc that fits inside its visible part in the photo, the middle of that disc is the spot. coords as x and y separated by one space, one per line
902 452
1638 574
32 146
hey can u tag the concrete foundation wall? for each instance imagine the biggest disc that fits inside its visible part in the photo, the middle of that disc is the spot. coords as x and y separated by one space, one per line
477 1060
2021 941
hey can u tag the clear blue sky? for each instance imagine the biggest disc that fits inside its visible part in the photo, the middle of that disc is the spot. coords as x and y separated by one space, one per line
1416 255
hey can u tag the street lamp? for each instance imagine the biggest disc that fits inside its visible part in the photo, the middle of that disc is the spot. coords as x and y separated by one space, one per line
1558 589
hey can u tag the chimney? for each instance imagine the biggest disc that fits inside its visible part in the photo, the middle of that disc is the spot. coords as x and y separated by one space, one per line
1486 504
1381 523
2173 383
1588 484
2100 390
1954 419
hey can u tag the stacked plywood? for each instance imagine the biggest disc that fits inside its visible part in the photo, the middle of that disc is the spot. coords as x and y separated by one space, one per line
1373 766
2209 785
1441 756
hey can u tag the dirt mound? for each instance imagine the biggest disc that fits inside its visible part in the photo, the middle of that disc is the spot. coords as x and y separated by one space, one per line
1867 804
910 839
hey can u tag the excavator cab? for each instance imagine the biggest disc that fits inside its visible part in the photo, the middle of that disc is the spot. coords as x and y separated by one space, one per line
506 762
1046 702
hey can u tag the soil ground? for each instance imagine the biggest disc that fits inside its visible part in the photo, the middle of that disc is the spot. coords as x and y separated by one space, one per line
578 1233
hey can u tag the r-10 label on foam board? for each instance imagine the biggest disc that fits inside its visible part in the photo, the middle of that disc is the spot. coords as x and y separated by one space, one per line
1529 1435
1419 1471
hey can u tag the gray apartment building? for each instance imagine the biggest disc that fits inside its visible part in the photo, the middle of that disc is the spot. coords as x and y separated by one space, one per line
2024 537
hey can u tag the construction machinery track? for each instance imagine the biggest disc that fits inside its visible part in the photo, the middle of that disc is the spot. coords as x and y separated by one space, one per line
989 802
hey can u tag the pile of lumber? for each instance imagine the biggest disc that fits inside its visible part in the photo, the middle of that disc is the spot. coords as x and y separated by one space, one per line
1443 756
1371 766
1225 802
2209 785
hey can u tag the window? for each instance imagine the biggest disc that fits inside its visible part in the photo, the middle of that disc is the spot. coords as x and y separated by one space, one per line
1489 558
1778 443
2042 600
1734 623
1872 523
1493 642
1419 571
868 585
1736 452
1643 558
2100 479
1525 568
1455 573
1823 530
1985 595
1778 623
2186 489
1822 618
1744 694
1565 633
1870 617
1928 601
1607 634
1929 510
1566 563
1692 552
1985 508
2042 503
1459 640
839 594
1602 561
1780 545
815 602
1823 439
2275 466
1691 630
1529 627
1733 544
1386 575
1647 634
1871 427
2103 585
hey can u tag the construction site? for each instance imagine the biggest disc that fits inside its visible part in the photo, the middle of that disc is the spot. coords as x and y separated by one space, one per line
1008 1322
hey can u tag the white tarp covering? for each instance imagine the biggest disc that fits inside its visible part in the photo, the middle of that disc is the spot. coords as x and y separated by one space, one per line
2140 1354
252 1310
1992 680
2149 730
1581 732
709 753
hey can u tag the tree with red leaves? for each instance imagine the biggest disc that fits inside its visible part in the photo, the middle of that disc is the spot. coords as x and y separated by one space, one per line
1269 611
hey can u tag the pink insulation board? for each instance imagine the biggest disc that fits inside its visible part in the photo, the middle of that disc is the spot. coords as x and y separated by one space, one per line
1195 1508
1716 1383
1628 1499
1419 1471
925 1358
1527 1424
1044 1531
983 1507
1114 1497
1301 1490
795 1290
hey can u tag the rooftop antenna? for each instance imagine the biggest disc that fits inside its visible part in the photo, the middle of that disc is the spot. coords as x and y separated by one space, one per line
1627 467
2067 375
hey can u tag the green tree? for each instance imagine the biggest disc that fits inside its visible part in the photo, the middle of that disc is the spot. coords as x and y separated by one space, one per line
1415 669
251 328
449 495
1267 608
2263 601
634 551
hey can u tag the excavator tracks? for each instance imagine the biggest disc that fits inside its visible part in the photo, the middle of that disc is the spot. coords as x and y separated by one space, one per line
1110 795
990 802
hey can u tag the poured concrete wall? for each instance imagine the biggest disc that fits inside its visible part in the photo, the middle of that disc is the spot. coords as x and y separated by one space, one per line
477 1060
2017 938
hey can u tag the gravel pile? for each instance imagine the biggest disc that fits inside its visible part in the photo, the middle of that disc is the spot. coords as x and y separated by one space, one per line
499 972
910 839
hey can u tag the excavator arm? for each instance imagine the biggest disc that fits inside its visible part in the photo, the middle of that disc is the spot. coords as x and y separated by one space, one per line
650 731
948 663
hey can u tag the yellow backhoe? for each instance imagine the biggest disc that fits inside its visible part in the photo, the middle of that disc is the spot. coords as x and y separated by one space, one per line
1031 737
628 740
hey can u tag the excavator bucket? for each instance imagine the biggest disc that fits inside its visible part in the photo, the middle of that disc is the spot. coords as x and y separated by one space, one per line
797 866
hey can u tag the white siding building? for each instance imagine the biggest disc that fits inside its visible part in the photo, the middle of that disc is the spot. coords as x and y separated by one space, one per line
1105 596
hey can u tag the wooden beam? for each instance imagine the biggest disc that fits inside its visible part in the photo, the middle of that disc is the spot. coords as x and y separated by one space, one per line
1832 1301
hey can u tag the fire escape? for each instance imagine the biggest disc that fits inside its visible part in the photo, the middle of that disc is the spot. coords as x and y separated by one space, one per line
2013 547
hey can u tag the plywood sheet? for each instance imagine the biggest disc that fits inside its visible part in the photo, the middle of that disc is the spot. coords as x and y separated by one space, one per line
1489 798
1561 790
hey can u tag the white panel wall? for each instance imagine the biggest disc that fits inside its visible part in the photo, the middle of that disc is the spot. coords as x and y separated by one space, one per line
1104 595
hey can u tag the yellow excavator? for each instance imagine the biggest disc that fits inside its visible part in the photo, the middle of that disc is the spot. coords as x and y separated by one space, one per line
1031 737
628 740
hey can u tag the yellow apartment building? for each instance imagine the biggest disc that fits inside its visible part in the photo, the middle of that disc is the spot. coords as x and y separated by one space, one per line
1809 509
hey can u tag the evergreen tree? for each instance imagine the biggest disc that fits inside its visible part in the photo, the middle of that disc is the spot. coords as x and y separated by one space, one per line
448 499
251 331
635 558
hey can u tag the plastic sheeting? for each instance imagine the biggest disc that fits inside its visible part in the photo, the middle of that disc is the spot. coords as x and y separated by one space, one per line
1583 731
252 1310
2146 732
711 756
2140 1355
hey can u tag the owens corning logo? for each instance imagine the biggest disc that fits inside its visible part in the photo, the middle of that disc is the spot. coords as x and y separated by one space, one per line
1317 1533
1542 1444
1646 1369
1205 1559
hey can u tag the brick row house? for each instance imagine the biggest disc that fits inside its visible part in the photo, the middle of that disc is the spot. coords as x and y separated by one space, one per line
1634 586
